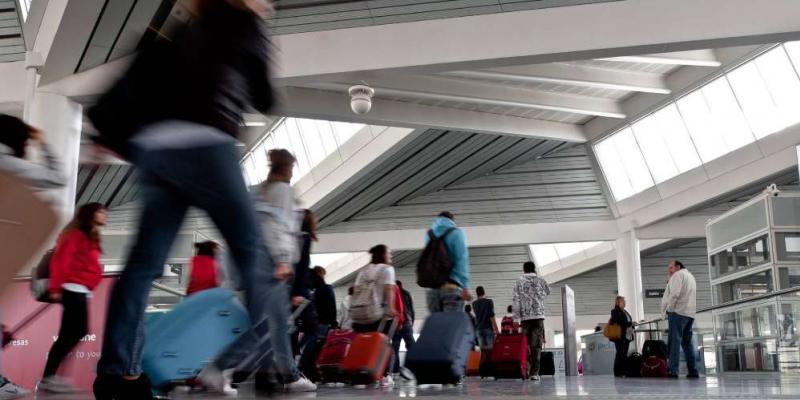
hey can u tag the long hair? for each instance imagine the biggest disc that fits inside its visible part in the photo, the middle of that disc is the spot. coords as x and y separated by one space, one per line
84 221
15 134
310 224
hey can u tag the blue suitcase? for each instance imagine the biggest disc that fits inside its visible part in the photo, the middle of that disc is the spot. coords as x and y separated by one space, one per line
440 355
178 344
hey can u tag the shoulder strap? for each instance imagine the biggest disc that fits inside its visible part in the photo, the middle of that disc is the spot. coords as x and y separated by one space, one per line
431 236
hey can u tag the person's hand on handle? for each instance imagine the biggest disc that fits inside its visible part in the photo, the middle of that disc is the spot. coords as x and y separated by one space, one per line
298 300
55 297
283 271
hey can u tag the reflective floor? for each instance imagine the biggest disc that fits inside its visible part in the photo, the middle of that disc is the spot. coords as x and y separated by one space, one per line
732 386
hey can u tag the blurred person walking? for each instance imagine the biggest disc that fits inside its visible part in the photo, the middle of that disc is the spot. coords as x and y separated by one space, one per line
15 138
75 271
374 298
486 324
529 294
205 270
280 223
175 115
451 295
405 331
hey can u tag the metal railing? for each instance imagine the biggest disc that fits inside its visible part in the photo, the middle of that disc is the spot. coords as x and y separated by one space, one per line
165 288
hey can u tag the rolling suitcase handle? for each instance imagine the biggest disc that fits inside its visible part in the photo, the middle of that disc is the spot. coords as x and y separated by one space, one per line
8 336
392 328
255 357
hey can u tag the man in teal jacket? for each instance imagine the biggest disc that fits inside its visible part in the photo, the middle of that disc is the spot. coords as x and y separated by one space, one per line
452 295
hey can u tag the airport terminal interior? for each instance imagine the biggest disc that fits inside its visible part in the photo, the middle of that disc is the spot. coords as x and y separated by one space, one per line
599 139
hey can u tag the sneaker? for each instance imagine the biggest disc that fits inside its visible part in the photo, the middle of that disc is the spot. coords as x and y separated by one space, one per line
302 384
535 378
387 381
693 376
217 380
10 391
55 384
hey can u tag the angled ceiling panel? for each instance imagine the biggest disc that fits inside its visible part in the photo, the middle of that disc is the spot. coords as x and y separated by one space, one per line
547 183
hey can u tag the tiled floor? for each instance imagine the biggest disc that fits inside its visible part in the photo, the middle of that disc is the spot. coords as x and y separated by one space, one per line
732 386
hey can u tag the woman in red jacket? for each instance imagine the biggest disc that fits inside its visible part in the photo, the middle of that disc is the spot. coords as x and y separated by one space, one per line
75 271
204 268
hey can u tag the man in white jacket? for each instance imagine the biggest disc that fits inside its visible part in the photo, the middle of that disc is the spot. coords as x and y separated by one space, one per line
679 306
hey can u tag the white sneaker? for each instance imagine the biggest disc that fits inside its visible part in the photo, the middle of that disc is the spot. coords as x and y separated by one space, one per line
535 378
55 384
217 380
302 384
387 381
10 391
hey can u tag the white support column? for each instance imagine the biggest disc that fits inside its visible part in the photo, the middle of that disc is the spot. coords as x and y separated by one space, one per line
60 119
629 273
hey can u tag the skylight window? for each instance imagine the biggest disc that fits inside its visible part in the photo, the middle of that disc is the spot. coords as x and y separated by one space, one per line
546 255
757 99
310 141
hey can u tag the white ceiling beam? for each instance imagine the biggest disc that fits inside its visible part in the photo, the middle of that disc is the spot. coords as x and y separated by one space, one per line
608 29
309 103
481 93
596 261
477 236
679 82
572 75
694 58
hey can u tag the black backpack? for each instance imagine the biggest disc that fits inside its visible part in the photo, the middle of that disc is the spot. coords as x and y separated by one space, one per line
40 278
435 265
654 348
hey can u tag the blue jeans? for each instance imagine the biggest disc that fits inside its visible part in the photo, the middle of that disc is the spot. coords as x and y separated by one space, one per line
485 338
445 299
680 336
172 180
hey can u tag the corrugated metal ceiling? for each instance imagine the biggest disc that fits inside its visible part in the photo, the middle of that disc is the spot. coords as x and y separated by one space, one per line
12 45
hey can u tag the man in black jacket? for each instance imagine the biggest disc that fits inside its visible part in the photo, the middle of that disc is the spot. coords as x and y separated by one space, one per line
405 332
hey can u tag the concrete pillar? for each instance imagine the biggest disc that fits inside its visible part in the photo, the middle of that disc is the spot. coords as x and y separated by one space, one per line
61 121
629 273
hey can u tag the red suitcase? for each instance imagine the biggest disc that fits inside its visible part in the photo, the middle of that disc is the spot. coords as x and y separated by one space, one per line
510 357
329 362
369 356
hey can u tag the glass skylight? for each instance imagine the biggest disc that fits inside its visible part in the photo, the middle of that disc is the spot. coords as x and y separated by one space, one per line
546 254
310 141
755 100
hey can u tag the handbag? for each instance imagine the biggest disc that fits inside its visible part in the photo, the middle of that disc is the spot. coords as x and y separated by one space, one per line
612 331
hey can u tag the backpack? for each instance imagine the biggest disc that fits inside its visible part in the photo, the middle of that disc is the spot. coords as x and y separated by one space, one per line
434 265
363 307
40 278
140 96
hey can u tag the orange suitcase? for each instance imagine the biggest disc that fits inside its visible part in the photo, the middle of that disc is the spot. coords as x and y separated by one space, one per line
369 356
474 363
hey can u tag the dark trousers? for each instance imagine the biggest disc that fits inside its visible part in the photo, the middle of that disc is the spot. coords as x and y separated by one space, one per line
533 329
74 324
621 358
405 333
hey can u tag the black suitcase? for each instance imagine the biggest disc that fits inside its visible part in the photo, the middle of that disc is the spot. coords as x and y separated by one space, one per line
633 365
440 354
547 365
655 348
